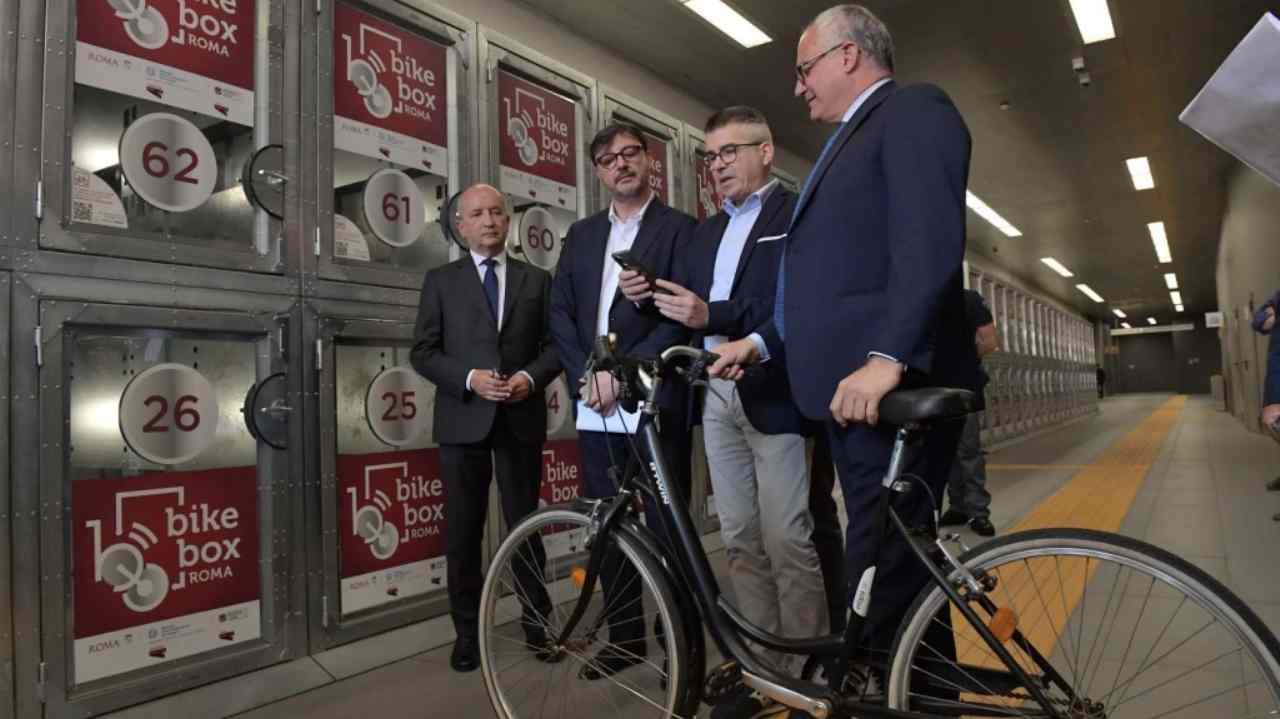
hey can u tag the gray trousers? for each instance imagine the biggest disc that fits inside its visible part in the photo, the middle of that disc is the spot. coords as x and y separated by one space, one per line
761 483
967 485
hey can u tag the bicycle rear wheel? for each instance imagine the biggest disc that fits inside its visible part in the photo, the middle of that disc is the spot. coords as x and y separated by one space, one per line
1131 630
521 682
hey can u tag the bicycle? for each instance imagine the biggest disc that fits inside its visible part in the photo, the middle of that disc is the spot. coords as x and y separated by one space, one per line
1038 627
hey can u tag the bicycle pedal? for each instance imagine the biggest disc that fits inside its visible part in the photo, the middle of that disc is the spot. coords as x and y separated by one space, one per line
720 682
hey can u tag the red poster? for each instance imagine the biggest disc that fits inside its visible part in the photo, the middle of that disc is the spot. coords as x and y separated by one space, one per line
561 482
390 91
659 157
708 200
165 566
391 526
537 143
195 55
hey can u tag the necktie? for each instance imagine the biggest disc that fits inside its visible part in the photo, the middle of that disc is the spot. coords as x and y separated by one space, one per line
782 266
491 286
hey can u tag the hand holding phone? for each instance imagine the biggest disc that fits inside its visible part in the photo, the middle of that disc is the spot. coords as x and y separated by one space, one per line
637 291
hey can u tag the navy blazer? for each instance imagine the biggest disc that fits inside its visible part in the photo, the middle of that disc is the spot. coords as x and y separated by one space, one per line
1271 388
766 396
575 291
873 257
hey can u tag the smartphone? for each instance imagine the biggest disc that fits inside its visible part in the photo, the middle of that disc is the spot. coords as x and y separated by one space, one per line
629 262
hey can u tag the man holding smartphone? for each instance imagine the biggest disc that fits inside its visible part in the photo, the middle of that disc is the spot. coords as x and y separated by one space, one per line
585 304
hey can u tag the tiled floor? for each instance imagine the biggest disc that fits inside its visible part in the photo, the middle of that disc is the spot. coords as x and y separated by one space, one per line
1203 498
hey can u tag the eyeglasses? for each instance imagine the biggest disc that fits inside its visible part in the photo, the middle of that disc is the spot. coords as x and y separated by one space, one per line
627 153
802 70
727 154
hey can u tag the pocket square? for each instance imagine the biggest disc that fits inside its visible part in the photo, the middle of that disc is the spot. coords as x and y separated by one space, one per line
771 238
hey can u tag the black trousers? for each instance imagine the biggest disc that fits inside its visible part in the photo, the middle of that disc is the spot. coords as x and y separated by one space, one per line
621 583
828 538
861 455
467 469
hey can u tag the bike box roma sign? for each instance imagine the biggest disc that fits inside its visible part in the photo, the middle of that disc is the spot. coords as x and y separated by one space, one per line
391 524
194 55
390 92
537 143
164 566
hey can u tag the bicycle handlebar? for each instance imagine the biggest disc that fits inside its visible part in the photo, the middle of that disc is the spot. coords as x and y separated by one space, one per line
641 377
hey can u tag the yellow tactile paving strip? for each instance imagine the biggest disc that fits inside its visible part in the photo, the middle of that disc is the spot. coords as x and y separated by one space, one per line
1097 497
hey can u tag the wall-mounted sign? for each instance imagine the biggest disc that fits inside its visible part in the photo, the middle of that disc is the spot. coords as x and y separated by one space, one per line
708 201
168 162
191 54
394 208
391 526
390 92
537 143
561 479
538 239
94 202
168 414
1213 319
399 404
348 240
164 566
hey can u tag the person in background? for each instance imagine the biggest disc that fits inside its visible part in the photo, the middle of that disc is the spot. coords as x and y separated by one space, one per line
1102 381
970 502
1264 320
482 338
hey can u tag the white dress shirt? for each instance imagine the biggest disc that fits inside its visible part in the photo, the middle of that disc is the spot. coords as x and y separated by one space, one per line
500 269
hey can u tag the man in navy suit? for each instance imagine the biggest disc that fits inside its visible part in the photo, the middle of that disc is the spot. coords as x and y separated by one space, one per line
869 295
585 304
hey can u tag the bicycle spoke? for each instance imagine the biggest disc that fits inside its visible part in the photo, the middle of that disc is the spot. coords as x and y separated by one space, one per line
1129 646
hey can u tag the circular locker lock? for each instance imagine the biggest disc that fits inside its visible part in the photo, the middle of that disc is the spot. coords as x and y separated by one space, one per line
558 405
264 181
537 238
168 414
394 208
168 161
398 406
266 411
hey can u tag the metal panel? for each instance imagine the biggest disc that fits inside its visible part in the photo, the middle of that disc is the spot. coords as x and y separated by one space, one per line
74 358
341 174
353 344
618 107
79 124
8 78
6 568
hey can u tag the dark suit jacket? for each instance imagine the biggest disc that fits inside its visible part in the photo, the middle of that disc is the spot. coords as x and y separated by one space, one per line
1271 388
575 294
873 257
766 396
455 334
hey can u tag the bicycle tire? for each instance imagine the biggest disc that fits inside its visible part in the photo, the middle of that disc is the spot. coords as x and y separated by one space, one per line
1258 650
625 688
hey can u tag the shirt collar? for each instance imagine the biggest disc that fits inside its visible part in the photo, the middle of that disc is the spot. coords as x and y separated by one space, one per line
753 201
478 259
862 97
615 219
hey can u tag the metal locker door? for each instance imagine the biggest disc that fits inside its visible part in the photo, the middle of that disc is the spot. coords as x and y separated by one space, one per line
7 625
166 521
662 134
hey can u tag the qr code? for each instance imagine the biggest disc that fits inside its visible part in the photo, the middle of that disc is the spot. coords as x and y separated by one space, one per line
81 212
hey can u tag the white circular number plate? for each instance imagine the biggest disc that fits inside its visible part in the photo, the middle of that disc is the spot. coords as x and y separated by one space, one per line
538 238
168 414
557 405
394 208
399 405
168 162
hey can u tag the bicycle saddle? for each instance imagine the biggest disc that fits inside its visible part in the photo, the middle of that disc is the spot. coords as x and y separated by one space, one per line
909 406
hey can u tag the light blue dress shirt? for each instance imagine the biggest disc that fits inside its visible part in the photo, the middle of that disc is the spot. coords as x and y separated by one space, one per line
742 218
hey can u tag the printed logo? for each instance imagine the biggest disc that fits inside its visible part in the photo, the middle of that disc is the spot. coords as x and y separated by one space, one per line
414 82
369 507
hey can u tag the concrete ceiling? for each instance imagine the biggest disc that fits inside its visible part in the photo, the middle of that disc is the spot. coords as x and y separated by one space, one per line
1052 163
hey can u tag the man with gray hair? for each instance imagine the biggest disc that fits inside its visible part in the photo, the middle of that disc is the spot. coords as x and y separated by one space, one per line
869 292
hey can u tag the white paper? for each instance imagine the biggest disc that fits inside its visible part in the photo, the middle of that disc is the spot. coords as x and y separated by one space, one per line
620 422
1239 108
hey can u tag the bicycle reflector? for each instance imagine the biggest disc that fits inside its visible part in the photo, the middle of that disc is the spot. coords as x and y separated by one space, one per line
579 576
1003 624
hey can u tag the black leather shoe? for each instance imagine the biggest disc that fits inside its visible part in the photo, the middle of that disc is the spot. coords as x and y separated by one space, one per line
1274 485
952 518
466 655
982 527
607 662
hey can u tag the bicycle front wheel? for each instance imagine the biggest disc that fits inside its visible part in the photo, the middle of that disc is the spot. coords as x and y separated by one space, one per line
1107 626
610 662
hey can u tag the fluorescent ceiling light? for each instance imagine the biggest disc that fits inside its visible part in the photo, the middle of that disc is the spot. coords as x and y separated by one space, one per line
1126 325
1178 307
729 21
1088 291
1171 280
1160 241
1120 314
1140 173
1151 320
1056 266
990 215
1094 20
1176 297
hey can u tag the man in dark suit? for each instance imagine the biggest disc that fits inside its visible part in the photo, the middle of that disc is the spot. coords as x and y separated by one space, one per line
586 303
754 434
869 295
482 338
